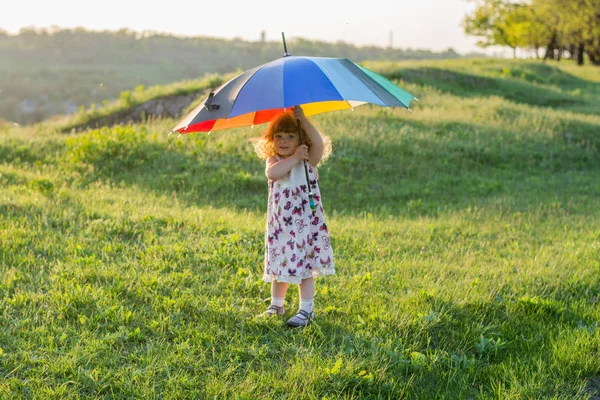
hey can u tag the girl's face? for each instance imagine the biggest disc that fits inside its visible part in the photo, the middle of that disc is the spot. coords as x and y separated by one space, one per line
286 143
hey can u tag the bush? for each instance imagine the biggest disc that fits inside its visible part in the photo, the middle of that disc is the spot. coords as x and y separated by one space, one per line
126 98
113 149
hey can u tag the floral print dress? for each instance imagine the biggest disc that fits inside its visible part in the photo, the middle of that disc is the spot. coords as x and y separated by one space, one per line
297 244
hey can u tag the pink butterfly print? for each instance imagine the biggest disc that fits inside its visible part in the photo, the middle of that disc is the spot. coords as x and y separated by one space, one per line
286 191
316 197
301 246
303 188
283 249
292 233
274 252
323 227
308 266
310 255
313 183
317 249
287 206
287 220
315 235
277 195
325 262
326 243
270 240
294 258
292 272
284 263
290 243
300 263
296 192
304 202
277 232
310 241
315 221
297 210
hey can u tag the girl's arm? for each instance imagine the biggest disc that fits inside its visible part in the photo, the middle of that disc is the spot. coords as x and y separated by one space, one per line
316 149
278 169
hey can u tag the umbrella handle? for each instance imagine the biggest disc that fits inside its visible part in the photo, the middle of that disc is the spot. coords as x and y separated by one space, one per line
311 201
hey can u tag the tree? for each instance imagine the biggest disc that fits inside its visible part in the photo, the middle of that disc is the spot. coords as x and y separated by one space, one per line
560 26
536 31
499 23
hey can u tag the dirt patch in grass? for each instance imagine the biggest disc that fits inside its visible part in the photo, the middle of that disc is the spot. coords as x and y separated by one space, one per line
171 106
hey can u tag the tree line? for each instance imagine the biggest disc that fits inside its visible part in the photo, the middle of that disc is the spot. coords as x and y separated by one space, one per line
47 71
561 28
82 46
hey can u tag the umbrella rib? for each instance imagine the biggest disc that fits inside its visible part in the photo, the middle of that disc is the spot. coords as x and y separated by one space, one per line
328 77
367 86
366 78
363 81
243 86
367 72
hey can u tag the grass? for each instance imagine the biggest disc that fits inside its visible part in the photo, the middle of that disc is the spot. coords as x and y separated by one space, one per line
130 98
465 233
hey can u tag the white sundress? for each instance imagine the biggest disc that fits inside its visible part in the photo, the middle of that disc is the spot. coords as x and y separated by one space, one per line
297 244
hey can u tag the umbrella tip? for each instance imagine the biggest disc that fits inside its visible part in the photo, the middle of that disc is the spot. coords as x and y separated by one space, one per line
284 45
170 133
415 98
252 126
352 108
209 132
408 109
179 136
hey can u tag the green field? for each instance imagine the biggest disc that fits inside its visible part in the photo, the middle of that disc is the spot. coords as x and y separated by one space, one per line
466 234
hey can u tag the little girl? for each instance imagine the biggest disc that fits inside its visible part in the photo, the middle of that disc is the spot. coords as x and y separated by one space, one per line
297 245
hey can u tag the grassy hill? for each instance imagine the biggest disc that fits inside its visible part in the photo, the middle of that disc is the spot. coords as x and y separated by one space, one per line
466 236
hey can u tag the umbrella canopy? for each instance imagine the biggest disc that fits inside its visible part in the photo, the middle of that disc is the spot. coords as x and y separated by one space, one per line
318 84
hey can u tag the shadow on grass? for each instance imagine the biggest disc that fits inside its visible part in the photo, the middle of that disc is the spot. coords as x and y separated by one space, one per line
524 85
426 170
442 353
433 355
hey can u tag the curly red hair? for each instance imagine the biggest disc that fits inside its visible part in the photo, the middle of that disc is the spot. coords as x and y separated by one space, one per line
284 122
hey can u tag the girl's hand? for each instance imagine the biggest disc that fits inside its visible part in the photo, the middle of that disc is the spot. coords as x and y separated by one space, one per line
301 152
299 113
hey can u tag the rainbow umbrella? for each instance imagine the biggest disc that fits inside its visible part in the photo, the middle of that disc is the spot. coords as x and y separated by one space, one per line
318 84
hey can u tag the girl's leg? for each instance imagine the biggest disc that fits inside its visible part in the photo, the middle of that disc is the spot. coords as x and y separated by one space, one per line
307 294
278 291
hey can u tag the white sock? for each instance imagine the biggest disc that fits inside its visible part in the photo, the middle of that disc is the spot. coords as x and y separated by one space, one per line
307 305
277 301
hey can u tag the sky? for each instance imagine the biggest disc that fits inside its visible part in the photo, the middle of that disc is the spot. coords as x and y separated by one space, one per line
420 24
